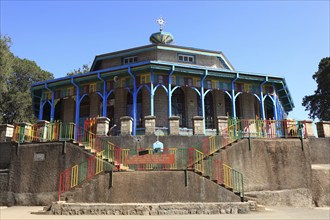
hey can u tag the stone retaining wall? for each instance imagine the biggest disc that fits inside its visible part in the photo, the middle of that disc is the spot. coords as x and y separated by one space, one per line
62 208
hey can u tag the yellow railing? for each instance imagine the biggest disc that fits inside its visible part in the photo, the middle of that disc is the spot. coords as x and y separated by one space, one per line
74 176
227 176
212 144
99 163
199 162
174 165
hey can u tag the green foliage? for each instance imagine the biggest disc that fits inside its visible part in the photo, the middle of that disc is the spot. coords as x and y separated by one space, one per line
17 75
318 104
85 69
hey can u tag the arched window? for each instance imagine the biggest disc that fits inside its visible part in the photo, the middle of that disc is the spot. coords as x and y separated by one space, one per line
178 106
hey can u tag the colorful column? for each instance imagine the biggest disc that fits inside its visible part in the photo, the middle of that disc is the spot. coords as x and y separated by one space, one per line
134 99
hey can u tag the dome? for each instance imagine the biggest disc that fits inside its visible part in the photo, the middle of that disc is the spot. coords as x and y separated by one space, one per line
161 37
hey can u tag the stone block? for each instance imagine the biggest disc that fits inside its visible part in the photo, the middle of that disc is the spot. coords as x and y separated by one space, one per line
149 124
42 129
6 132
323 128
222 123
102 126
27 134
126 124
198 125
174 125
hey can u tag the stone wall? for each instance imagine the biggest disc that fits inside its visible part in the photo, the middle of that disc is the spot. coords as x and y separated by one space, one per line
151 187
321 184
320 150
32 181
275 164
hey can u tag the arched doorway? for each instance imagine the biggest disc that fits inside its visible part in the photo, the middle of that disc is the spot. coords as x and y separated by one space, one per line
160 107
84 110
58 111
228 106
269 108
209 111
129 108
111 109
46 112
178 106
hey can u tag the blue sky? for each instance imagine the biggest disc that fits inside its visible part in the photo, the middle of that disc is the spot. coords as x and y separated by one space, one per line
283 38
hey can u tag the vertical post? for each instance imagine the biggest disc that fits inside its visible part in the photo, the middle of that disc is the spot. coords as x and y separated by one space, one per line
263 117
185 177
77 109
134 99
169 94
274 103
152 93
104 96
41 108
52 106
202 96
233 97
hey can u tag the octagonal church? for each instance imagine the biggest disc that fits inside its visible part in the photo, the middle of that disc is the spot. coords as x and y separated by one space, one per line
162 80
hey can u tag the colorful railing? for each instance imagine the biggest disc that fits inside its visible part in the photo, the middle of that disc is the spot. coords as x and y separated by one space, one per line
267 128
78 174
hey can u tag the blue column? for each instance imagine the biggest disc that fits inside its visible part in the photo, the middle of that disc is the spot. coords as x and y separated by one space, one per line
262 106
52 109
52 106
152 92
202 96
169 92
233 97
104 96
77 109
41 107
134 99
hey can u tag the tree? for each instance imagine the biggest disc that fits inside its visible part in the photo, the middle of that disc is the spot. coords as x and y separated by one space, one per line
318 104
85 69
17 75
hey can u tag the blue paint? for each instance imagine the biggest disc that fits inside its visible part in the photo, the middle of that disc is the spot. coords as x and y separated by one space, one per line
202 96
52 106
152 92
233 97
169 93
134 99
262 106
77 109
104 95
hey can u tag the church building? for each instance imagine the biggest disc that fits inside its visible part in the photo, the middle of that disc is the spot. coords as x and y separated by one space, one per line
162 80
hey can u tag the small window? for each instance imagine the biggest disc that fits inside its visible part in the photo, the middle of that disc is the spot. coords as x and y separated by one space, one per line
186 58
127 60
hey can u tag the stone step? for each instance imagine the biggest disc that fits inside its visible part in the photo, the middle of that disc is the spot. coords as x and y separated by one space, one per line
63 208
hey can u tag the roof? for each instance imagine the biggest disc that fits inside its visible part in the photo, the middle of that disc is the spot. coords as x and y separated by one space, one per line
135 50
278 82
